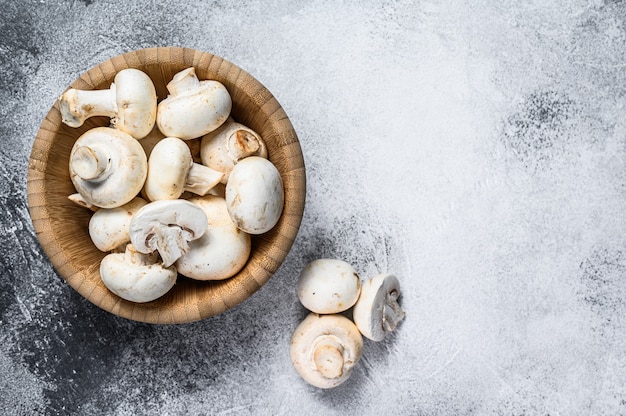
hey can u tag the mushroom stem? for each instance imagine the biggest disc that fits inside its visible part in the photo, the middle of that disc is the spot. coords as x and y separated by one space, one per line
392 312
328 357
132 256
91 163
201 179
183 81
170 242
78 105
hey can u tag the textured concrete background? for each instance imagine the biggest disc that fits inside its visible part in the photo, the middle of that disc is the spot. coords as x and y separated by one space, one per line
475 149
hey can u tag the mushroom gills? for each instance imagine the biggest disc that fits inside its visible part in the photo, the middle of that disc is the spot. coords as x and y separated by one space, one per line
378 312
167 226
170 241
392 312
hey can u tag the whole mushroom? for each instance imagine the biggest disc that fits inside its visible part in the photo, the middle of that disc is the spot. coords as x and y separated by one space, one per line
171 171
232 141
135 276
325 348
377 312
109 227
193 108
130 102
221 251
328 286
107 167
255 195
167 227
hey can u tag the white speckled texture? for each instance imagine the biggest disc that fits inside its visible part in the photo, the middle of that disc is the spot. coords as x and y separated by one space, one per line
474 149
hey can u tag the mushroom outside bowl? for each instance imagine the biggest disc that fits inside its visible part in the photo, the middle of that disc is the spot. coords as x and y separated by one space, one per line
62 226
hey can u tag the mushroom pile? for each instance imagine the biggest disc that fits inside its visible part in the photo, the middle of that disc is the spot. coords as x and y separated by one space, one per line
177 187
326 345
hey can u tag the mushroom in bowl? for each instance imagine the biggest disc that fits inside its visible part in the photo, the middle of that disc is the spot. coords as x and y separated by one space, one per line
63 226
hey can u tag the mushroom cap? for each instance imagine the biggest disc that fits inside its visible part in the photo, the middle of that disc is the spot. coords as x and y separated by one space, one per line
325 348
136 277
222 148
109 227
123 169
377 312
194 108
167 227
168 166
221 251
136 101
255 195
328 286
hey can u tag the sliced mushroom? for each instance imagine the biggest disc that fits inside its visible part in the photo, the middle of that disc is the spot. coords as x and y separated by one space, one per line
171 171
221 251
255 195
107 167
328 286
135 276
131 102
325 348
109 227
377 312
167 227
193 108
223 148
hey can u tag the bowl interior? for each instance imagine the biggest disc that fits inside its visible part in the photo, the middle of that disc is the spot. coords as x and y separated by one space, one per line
62 226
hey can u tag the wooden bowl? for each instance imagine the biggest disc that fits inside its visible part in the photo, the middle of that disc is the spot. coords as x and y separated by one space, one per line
62 226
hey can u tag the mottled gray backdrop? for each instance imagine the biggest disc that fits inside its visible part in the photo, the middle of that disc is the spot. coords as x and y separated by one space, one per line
476 149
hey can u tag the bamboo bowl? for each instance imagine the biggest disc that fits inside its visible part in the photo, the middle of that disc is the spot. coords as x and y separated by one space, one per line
62 226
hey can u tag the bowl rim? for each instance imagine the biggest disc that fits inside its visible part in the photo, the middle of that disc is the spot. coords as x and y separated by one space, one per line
269 250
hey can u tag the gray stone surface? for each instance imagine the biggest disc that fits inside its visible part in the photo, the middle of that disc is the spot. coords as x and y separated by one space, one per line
475 149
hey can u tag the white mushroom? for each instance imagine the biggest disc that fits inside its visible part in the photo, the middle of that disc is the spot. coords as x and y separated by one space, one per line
107 167
156 136
325 348
167 227
221 251
377 311
223 148
255 195
171 171
131 103
328 286
135 276
109 227
193 108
